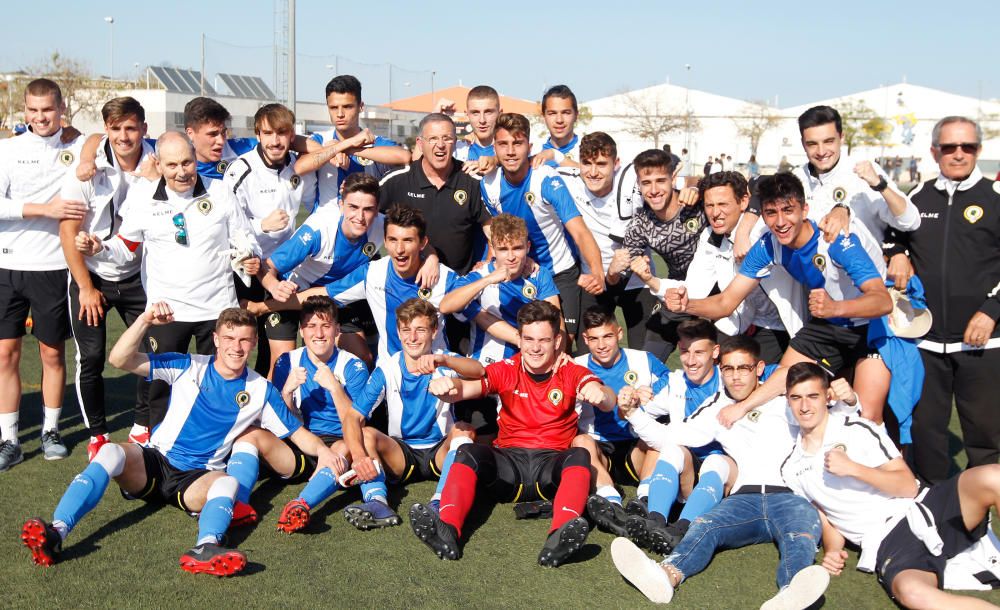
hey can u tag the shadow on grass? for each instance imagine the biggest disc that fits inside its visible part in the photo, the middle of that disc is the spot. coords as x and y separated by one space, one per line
90 544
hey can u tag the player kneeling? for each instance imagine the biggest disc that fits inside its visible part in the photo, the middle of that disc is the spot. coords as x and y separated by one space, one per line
213 400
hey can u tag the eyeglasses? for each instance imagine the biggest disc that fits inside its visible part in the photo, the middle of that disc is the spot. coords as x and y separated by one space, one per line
447 140
181 236
949 149
743 369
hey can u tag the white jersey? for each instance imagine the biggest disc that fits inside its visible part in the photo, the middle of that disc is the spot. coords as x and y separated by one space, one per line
842 185
31 171
195 279
105 195
260 189
607 217
854 507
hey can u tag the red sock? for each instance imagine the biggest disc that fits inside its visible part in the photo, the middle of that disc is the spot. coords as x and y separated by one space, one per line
571 497
457 496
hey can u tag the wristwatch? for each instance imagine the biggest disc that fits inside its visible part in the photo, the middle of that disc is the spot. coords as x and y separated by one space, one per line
881 186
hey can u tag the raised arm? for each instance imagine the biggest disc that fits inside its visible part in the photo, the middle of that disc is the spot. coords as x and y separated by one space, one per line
125 355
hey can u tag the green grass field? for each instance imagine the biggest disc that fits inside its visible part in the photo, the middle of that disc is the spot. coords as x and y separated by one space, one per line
124 554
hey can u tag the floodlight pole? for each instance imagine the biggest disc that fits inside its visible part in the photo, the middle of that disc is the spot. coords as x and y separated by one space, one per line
291 55
201 80
111 27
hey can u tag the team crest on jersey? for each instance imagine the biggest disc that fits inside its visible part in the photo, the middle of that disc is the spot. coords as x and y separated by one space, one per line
369 249
839 194
555 396
819 261
274 319
754 415
204 206
424 293
461 197
656 307
973 213
222 166
840 446
529 291
362 161
529 197
152 344
692 225
242 398
631 378
295 180
66 157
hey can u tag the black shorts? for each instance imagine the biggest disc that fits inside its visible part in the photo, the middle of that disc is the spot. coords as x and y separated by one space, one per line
835 348
619 454
357 318
306 464
530 473
420 464
569 297
278 325
902 550
164 482
43 293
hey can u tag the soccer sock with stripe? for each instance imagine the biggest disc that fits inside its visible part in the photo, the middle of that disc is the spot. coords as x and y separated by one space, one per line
571 496
665 482
375 489
87 488
218 510
449 459
609 493
319 488
708 492
244 466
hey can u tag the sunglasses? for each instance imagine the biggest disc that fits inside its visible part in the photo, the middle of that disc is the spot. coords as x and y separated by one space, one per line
949 149
181 236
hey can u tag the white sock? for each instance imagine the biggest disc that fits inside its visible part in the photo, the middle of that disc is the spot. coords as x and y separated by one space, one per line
62 528
137 430
51 418
8 427
642 490
609 492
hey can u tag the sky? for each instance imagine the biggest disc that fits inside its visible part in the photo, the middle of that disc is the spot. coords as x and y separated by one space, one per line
789 52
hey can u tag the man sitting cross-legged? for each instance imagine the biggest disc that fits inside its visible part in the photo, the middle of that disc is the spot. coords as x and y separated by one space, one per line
213 400
531 456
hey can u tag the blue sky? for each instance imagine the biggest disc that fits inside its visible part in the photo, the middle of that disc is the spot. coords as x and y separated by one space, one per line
798 51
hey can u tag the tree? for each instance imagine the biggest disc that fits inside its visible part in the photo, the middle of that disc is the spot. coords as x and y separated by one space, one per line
651 118
862 127
82 93
756 120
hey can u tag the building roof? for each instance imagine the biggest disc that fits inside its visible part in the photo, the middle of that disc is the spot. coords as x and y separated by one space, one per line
425 102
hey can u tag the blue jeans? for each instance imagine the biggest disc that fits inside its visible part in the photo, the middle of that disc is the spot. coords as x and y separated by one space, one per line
744 519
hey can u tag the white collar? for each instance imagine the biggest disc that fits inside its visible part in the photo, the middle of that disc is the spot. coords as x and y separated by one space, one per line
950 186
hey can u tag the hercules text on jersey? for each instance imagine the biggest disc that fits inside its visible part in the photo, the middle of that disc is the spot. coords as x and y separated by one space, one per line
416 416
634 368
233 148
206 412
319 413
545 204
329 178
384 290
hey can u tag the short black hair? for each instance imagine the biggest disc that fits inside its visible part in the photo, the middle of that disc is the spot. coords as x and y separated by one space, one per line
345 83
561 91
318 304
596 316
733 180
783 186
740 343
696 329
654 157
405 216
203 110
820 115
804 371
539 311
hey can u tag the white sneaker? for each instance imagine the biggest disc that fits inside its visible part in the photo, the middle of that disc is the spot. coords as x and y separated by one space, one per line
644 573
807 586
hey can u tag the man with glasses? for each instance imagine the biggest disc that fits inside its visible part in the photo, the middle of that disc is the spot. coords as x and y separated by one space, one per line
186 225
956 253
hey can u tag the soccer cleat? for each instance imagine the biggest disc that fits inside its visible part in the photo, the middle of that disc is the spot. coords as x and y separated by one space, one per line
641 571
538 509
244 515
654 534
140 438
52 445
435 533
434 506
213 559
638 507
294 517
42 540
371 515
807 586
95 444
609 516
563 542
10 455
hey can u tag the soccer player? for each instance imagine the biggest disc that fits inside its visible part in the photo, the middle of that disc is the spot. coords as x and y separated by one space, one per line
213 401
540 197
846 290
725 197
482 108
265 186
185 224
560 112
96 287
422 437
531 458
616 454
334 162
761 507
32 266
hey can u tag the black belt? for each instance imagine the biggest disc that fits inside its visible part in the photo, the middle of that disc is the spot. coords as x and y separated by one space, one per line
761 489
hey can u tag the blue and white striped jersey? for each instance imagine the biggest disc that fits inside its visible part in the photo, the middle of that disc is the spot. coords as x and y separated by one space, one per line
464 151
319 414
329 178
570 151
680 398
635 368
415 415
206 412
233 148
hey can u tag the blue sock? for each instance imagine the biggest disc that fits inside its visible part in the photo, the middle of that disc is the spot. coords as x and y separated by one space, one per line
214 519
319 488
449 459
375 489
663 488
82 495
244 467
706 494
